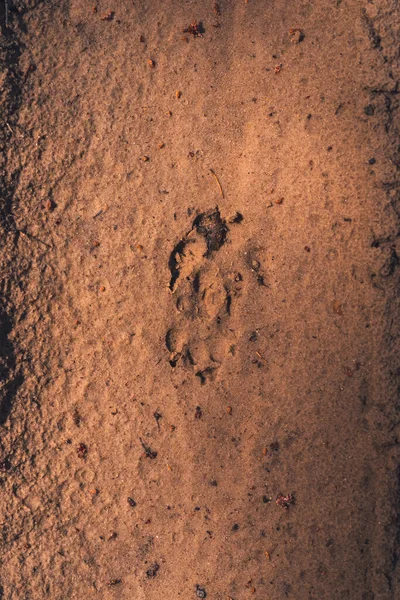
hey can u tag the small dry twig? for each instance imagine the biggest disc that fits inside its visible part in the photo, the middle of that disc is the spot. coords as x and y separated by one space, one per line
195 29
218 182
6 11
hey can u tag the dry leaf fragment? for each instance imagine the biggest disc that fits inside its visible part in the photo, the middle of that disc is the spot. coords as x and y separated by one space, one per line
337 307
108 16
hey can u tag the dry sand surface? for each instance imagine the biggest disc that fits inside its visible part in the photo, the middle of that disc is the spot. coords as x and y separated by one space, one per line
199 309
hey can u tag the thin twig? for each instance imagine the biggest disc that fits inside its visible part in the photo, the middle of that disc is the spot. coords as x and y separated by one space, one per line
6 12
218 182
29 236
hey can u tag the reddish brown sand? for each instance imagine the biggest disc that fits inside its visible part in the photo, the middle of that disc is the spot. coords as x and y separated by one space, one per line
199 300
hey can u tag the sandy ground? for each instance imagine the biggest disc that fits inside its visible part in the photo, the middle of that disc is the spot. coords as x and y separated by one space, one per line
199 300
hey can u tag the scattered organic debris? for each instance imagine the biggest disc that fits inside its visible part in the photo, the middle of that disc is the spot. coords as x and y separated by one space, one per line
285 501
108 16
195 28
82 450
5 465
213 228
148 451
157 417
153 570
250 586
217 9
337 307
218 182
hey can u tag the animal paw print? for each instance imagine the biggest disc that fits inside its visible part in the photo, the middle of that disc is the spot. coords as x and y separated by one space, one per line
204 295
